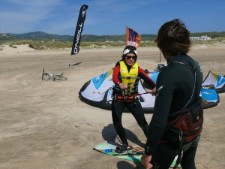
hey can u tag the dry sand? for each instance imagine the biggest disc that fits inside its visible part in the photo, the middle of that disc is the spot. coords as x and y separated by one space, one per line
44 125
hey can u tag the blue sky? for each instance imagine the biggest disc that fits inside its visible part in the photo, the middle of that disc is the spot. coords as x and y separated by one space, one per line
109 17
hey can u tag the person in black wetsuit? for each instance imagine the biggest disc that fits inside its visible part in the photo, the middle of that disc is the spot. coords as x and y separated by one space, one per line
126 75
177 90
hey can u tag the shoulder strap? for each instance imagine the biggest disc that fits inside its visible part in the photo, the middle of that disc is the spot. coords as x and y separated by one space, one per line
193 68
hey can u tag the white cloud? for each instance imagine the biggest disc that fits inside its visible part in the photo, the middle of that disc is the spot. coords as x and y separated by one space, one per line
23 15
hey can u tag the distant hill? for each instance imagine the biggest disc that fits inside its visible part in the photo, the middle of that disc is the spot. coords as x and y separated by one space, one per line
43 40
85 38
88 38
34 36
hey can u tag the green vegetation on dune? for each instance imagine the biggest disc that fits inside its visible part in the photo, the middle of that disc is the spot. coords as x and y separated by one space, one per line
42 40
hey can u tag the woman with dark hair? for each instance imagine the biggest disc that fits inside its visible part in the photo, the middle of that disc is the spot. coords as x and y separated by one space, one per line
177 120
126 76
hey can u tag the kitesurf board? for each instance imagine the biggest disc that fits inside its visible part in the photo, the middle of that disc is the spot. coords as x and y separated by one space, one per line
109 149
131 155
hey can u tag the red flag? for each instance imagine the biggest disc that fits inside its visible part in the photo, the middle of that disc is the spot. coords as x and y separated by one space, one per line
132 37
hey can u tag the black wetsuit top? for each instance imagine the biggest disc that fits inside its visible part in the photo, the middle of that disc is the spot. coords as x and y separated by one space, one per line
175 86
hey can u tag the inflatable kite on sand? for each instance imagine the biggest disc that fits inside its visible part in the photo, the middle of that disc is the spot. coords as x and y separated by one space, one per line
217 81
98 91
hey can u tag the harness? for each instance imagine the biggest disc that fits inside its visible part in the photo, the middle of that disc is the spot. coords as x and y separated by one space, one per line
126 98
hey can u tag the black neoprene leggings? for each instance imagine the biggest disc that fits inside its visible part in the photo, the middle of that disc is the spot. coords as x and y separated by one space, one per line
165 154
136 109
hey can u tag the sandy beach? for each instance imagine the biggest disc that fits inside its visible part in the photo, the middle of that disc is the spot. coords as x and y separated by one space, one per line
44 124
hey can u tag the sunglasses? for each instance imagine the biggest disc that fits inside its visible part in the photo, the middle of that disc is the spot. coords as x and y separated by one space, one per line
131 57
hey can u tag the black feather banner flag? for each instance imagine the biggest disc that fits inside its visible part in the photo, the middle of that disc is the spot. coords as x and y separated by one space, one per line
79 29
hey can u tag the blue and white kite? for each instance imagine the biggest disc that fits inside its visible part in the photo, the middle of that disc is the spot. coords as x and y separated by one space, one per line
98 91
